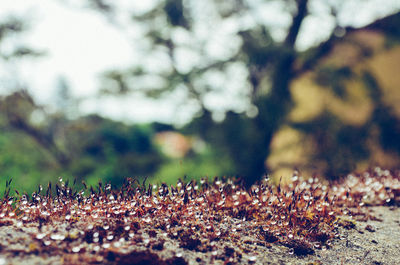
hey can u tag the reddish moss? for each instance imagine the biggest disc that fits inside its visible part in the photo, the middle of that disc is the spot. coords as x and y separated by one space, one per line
302 215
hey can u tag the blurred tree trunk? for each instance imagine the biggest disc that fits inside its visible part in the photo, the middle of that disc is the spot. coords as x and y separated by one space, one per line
273 107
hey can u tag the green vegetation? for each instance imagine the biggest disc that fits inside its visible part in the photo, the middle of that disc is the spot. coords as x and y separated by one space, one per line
25 162
89 148
207 164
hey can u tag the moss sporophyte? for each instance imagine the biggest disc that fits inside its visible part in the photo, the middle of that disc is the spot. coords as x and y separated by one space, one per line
103 225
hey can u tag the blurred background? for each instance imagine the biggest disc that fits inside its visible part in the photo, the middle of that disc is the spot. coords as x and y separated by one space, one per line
167 89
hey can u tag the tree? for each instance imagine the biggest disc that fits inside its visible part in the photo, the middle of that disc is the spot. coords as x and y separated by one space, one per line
176 29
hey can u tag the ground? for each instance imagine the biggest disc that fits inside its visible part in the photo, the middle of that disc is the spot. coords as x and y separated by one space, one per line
308 221
368 242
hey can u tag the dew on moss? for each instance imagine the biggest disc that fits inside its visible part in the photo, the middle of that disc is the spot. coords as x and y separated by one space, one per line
76 249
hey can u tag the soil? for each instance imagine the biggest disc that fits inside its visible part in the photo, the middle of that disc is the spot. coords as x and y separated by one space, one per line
375 241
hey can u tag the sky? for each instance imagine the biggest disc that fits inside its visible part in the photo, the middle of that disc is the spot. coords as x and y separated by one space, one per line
78 41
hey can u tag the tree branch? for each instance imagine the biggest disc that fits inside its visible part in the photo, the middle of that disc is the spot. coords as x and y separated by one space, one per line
296 23
317 54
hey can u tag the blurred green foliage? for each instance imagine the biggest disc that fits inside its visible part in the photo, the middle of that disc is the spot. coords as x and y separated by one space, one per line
89 148
208 164
22 160
111 150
